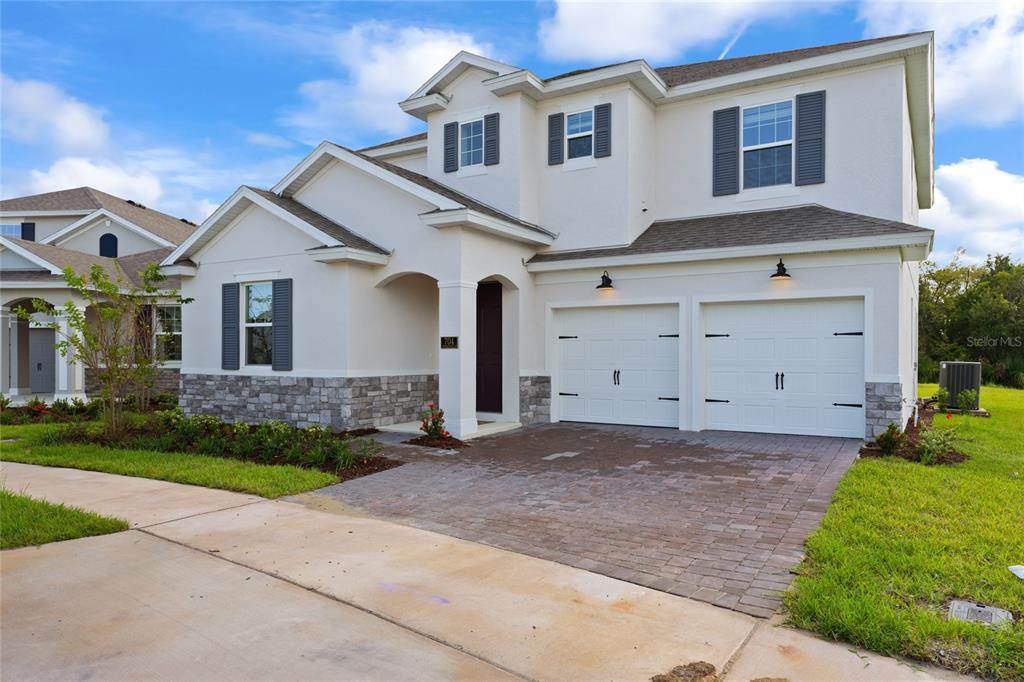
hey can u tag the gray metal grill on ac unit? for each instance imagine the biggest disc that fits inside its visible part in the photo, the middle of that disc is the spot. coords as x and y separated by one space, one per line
961 376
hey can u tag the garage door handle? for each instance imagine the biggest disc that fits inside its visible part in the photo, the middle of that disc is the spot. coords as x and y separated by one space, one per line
776 381
572 394
39 367
713 400
782 377
847 405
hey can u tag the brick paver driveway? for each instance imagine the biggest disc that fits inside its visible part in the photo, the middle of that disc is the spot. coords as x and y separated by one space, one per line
716 516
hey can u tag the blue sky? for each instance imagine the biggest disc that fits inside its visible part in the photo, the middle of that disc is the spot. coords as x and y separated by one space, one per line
176 104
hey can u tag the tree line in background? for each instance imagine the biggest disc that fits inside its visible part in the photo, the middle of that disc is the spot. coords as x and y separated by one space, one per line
976 313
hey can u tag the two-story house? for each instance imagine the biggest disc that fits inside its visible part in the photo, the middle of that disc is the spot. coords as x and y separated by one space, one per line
42 234
723 245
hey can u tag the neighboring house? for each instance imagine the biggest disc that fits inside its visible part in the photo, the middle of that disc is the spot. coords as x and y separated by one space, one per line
725 245
42 234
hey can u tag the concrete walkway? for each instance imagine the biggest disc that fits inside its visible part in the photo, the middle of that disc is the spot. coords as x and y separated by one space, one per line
259 589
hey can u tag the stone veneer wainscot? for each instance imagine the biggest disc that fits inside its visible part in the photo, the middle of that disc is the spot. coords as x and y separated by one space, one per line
339 403
883 405
534 400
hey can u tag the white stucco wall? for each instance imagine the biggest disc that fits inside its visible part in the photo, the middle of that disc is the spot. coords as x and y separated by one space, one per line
258 247
12 261
908 341
87 239
416 161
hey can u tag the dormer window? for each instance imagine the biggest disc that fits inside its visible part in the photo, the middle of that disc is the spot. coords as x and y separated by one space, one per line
579 133
471 143
768 145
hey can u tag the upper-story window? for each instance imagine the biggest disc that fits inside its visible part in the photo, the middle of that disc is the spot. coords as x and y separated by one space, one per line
768 145
471 143
10 230
579 133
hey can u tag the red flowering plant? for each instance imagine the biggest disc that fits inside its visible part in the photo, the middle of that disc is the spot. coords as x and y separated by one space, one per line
432 422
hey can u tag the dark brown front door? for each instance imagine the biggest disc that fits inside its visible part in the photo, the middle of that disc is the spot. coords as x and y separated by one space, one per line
488 347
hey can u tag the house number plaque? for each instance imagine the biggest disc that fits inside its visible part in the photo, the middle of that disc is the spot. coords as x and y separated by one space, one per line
449 342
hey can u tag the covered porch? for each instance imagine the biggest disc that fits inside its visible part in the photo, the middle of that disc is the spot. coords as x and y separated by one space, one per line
30 364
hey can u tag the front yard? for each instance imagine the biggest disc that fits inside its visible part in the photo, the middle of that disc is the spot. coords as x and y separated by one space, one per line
902 539
27 521
265 480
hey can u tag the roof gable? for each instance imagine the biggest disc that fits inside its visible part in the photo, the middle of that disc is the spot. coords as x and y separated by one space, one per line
456 67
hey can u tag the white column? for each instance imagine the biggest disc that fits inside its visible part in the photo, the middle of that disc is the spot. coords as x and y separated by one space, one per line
70 379
5 350
19 357
457 366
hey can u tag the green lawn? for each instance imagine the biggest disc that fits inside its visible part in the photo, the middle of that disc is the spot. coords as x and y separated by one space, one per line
27 521
210 472
901 539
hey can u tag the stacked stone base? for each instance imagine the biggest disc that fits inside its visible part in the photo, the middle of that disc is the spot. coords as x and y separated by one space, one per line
342 403
883 406
534 400
167 380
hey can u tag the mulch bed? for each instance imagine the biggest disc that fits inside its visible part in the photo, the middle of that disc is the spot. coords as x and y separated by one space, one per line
911 436
448 443
365 467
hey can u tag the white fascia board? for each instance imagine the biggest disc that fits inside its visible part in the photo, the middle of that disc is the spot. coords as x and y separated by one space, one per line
637 72
340 254
207 225
918 240
29 256
89 221
454 68
465 217
179 270
397 149
36 285
421 107
44 214
443 203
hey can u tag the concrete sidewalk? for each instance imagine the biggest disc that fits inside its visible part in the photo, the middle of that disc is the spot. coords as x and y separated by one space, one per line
492 611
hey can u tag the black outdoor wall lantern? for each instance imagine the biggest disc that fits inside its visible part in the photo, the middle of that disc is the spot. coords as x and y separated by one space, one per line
606 282
780 271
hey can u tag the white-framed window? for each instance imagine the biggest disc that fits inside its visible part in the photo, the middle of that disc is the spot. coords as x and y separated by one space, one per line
471 143
10 230
258 323
579 134
768 145
167 333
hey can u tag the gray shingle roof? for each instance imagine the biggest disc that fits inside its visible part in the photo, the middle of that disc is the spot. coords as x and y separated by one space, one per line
131 266
755 228
402 140
320 222
698 71
449 193
162 225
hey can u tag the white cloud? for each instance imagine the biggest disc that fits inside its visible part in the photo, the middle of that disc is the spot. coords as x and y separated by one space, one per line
977 206
979 54
73 171
383 65
656 31
35 111
268 140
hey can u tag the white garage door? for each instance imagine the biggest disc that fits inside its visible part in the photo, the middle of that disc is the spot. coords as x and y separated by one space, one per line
619 365
792 367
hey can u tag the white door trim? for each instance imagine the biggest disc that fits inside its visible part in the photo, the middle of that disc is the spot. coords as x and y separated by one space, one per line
551 364
697 344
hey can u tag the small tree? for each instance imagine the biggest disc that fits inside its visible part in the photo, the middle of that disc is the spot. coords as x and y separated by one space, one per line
116 342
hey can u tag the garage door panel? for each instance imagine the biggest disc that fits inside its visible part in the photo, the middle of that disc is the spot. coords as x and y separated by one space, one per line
571 351
626 339
794 338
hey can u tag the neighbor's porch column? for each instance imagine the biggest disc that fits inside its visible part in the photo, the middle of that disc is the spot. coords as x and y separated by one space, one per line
70 379
457 366
5 350
19 369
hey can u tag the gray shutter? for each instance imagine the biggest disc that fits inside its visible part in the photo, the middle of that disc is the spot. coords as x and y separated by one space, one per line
229 326
602 130
556 139
810 138
451 147
725 165
282 350
491 139
28 232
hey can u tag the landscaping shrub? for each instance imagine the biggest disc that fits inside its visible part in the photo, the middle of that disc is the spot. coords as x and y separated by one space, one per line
934 444
941 398
432 422
5 402
967 399
270 442
891 440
